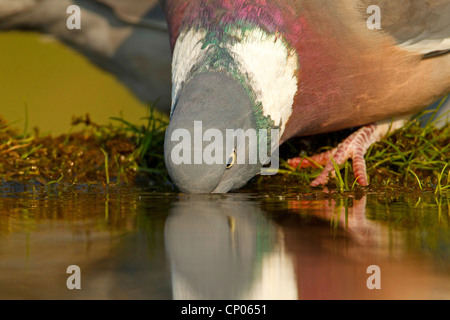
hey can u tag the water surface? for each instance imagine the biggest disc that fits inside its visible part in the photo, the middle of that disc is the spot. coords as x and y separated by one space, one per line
133 243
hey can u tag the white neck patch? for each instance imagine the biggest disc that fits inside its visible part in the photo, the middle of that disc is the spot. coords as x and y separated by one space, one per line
270 65
187 52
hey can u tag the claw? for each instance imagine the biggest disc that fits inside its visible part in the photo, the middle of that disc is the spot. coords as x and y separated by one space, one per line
315 161
354 147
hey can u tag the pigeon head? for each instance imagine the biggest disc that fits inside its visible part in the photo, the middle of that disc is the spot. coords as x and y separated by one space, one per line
233 85
210 144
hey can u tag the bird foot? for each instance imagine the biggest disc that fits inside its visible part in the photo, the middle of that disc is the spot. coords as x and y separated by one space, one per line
354 147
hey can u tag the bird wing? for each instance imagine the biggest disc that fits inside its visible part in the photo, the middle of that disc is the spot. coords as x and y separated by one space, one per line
147 13
421 26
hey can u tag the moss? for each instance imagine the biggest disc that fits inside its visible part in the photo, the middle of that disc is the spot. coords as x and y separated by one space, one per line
116 153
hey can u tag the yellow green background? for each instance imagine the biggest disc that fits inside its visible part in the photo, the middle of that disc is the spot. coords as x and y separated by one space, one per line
52 83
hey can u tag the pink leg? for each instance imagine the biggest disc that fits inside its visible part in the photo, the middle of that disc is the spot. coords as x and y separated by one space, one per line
318 159
354 147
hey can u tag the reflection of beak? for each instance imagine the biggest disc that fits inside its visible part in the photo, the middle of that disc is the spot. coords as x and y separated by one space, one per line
226 249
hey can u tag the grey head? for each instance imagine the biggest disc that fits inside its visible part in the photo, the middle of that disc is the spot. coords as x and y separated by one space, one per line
210 106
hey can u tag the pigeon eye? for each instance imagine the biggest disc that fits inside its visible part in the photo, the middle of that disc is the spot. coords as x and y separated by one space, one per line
231 159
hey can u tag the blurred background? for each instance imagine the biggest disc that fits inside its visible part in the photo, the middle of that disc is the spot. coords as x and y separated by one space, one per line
44 83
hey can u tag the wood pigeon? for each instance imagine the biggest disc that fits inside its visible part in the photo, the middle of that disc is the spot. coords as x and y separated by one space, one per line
303 68
288 67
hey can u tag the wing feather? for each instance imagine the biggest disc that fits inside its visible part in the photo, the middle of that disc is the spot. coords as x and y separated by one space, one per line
421 26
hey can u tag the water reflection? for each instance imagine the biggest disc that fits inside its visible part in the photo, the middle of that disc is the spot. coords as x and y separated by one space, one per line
224 248
132 244
230 247
338 237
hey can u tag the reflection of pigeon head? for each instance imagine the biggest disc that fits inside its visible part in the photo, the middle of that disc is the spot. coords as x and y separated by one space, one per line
215 246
